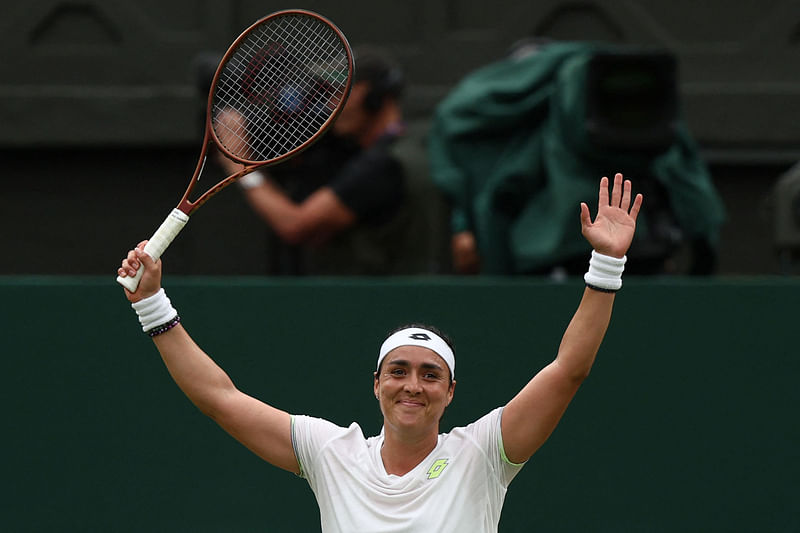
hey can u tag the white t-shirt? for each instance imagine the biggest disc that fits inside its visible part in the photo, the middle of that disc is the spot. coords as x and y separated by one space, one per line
459 487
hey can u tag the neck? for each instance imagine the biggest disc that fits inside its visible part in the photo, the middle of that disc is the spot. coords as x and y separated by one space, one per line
401 453
388 116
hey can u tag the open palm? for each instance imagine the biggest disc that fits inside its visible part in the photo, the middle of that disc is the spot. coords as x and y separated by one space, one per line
611 233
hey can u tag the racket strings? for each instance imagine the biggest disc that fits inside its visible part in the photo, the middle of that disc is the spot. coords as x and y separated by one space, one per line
279 87
281 71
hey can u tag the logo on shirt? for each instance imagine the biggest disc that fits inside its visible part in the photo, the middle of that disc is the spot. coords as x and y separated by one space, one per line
437 468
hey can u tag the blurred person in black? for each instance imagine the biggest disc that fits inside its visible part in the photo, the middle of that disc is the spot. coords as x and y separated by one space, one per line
336 208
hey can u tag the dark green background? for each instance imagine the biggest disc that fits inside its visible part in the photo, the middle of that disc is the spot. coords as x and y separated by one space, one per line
688 421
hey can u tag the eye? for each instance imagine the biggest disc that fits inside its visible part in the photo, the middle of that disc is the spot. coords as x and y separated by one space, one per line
397 372
431 375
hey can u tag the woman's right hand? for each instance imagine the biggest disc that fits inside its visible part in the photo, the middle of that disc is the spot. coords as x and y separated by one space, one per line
151 278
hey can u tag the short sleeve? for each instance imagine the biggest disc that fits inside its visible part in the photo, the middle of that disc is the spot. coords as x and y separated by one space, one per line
309 436
488 436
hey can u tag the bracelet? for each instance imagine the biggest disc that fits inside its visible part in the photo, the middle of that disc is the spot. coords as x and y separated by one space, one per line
155 311
601 289
254 179
163 328
605 272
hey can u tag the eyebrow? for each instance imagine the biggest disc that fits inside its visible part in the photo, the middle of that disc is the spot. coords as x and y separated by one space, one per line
403 362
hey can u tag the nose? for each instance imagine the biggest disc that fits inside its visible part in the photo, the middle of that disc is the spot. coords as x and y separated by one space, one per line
412 384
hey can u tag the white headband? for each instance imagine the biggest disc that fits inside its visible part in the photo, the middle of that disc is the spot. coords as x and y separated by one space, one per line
419 337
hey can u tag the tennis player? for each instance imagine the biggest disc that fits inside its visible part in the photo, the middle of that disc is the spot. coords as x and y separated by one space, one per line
409 478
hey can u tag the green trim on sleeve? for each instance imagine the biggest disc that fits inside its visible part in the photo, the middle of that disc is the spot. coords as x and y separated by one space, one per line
500 443
296 455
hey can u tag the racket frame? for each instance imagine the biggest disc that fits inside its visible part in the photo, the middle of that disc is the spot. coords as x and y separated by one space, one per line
179 216
210 136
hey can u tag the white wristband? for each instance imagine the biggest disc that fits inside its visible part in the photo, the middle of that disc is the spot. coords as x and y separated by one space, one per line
254 179
154 311
605 272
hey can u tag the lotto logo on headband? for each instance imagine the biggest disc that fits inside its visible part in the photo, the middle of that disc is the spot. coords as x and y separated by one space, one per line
420 336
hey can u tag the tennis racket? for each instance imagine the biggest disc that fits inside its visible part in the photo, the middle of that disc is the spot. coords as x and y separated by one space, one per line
279 86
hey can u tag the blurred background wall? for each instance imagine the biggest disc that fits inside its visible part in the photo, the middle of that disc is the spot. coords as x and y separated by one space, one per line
101 111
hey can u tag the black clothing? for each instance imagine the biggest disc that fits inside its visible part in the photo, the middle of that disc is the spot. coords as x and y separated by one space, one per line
370 182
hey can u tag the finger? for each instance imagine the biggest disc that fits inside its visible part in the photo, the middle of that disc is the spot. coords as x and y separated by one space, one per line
637 205
586 217
131 262
603 195
126 268
626 195
145 258
616 192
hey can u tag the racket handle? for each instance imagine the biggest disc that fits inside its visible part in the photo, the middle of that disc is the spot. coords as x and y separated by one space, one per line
159 242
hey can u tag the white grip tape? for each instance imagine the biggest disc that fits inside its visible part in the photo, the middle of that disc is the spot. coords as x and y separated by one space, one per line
159 242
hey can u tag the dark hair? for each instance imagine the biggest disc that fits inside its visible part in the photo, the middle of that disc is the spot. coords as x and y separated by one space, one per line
430 328
385 78
434 329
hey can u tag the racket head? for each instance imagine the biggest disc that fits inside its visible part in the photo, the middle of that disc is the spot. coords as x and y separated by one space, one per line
279 87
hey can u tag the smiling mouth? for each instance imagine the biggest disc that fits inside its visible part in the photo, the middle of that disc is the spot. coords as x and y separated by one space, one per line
409 403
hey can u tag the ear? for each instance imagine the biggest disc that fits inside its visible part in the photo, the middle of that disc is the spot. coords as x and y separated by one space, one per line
451 392
375 385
